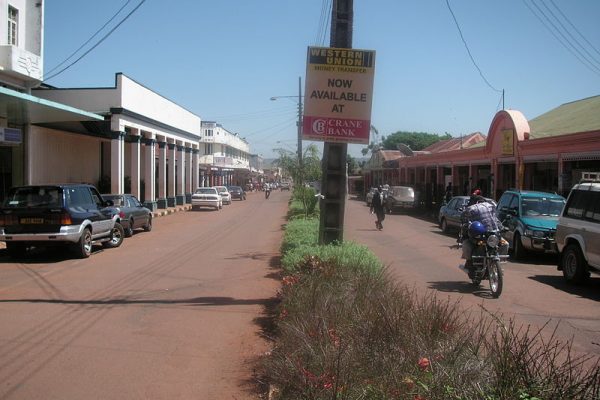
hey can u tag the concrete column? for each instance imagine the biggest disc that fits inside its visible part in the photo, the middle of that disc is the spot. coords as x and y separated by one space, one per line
181 168
195 170
135 166
189 176
149 171
172 178
117 155
162 175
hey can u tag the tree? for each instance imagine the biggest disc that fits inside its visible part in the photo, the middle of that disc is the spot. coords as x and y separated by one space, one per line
415 140
352 163
375 144
309 171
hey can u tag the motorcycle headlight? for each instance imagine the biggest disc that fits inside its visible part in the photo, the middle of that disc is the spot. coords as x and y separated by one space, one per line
493 241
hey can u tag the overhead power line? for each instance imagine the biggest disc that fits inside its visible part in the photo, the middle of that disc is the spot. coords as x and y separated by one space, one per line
469 51
560 34
90 39
98 43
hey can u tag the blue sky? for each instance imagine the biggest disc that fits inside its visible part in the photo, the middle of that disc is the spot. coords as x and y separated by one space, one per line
223 60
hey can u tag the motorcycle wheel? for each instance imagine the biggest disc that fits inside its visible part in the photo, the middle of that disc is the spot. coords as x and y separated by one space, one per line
495 278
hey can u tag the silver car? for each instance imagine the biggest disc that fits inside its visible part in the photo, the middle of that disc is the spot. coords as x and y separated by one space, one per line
207 197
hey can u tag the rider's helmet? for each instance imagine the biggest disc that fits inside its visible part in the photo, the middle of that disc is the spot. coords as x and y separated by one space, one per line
476 228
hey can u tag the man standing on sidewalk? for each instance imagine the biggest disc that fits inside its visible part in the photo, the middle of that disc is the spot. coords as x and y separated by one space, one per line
377 207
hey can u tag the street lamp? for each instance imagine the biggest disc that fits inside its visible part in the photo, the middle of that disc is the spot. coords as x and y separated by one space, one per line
299 123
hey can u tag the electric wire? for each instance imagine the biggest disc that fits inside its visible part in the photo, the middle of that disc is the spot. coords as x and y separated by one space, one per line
570 35
321 25
569 47
469 51
574 27
98 43
286 123
90 39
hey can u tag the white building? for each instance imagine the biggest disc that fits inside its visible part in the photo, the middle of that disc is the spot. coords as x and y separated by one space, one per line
225 156
144 140
122 138
21 68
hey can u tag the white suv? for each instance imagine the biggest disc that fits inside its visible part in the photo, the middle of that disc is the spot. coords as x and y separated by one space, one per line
578 230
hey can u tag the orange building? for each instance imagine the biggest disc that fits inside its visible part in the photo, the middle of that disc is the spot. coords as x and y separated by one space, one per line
547 153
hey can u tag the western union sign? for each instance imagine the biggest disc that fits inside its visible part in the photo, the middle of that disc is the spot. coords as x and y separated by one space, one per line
338 95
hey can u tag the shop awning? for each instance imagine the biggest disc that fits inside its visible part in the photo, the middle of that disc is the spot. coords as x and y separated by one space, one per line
22 108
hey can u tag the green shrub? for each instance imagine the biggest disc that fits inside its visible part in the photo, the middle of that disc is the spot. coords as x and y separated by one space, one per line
346 333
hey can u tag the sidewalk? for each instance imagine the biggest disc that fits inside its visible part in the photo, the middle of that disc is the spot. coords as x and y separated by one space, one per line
171 210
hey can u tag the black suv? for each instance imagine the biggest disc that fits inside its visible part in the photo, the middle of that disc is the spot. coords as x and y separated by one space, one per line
72 214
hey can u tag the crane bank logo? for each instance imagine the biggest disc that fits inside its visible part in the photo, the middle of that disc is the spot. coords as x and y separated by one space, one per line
318 126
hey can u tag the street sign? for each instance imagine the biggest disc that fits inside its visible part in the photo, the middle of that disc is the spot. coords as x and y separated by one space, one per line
338 95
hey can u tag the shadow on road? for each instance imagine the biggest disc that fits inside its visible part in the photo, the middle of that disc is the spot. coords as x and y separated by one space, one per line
461 287
589 290
43 255
195 301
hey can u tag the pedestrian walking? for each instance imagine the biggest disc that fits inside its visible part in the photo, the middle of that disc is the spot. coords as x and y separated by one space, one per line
377 207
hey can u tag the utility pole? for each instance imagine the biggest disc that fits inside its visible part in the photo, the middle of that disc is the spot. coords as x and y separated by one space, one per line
334 165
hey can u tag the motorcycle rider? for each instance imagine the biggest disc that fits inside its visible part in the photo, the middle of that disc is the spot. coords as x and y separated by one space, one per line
479 211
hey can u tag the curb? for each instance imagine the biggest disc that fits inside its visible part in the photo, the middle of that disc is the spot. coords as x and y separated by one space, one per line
172 210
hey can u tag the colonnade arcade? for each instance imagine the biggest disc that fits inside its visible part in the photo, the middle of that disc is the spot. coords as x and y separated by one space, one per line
160 169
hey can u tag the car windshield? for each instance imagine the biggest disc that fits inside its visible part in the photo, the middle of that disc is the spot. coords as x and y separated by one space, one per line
221 189
37 196
541 206
205 191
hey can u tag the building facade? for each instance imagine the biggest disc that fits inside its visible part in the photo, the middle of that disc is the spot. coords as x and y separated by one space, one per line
123 138
225 158
547 153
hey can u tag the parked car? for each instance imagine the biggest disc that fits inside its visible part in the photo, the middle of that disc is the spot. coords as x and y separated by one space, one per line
399 197
225 195
135 215
578 231
236 192
207 197
285 186
449 216
67 214
530 219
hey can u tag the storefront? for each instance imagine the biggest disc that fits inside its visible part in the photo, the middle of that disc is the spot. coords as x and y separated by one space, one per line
548 153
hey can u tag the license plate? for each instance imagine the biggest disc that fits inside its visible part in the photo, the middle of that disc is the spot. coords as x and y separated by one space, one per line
32 220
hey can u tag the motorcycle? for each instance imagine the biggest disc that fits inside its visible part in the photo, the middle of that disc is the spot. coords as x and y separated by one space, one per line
489 252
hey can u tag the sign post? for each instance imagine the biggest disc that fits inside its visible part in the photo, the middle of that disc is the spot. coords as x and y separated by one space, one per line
338 95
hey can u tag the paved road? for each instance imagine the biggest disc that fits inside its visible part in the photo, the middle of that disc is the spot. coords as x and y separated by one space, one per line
419 255
172 314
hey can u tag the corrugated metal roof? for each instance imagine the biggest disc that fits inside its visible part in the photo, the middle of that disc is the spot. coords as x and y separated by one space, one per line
575 117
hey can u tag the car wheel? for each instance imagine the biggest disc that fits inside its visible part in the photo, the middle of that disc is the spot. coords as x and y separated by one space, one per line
444 225
148 226
573 265
116 237
129 231
16 250
518 249
83 247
